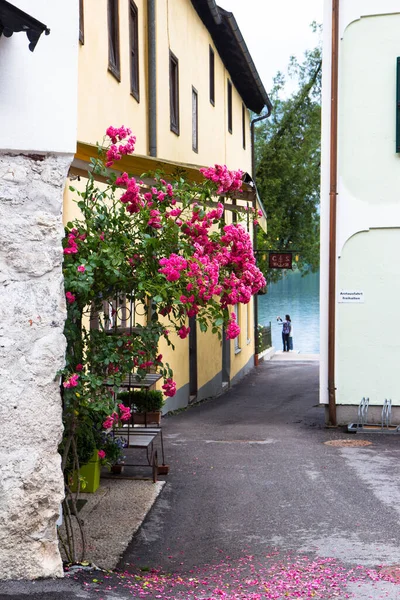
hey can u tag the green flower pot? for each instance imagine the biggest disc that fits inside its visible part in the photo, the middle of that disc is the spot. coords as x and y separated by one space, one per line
91 473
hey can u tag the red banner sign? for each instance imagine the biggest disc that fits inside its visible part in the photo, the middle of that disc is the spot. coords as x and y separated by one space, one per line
280 260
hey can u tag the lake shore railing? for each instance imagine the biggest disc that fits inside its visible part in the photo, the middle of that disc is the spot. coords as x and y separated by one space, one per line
264 338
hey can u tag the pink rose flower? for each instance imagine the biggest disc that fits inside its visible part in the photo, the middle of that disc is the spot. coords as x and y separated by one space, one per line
101 454
70 297
183 332
72 381
81 269
108 423
169 387
125 412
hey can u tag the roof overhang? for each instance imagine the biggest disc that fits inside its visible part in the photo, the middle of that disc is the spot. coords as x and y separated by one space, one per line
137 165
234 53
13 20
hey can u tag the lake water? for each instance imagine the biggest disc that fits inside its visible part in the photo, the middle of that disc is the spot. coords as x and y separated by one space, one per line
298 297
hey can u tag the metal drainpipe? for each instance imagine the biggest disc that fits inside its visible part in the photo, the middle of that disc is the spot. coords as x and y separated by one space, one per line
152 76
253 174
332 215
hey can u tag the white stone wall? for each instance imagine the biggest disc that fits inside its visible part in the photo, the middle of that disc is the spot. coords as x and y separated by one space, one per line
32 347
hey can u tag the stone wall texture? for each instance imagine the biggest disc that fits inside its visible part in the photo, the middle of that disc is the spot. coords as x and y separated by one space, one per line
32 349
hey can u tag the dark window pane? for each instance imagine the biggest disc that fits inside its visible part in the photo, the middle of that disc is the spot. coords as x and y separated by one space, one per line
212 76
174 92
244 126
229 107
81 23
113 38
195 121
134 42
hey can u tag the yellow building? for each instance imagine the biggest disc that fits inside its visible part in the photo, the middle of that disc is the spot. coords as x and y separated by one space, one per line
179 74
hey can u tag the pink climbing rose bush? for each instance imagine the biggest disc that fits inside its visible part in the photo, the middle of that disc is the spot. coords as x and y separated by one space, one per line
164 247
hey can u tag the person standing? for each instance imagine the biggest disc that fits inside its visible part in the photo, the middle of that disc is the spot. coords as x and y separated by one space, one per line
286 329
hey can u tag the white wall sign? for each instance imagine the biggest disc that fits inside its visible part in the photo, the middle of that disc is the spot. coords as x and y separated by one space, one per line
351 296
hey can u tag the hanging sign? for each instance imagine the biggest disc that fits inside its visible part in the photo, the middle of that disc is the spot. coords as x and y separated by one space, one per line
280 260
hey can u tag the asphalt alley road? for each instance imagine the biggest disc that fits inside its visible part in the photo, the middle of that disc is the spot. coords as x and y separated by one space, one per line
252 476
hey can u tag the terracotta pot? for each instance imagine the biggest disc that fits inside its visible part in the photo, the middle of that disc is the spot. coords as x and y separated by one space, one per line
117 469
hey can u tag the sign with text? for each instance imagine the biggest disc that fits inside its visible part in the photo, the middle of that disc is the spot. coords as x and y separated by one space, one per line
355 297
280 260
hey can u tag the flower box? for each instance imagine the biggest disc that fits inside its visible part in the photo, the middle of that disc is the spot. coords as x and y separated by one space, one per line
147 418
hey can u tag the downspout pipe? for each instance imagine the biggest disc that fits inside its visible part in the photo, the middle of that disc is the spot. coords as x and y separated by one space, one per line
252 135
253 174
332 421
152 75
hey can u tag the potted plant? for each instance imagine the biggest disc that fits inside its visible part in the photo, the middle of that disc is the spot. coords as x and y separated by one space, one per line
146 405
85 470
111 452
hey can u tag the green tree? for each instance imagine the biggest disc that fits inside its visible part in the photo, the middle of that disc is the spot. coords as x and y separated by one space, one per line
287 152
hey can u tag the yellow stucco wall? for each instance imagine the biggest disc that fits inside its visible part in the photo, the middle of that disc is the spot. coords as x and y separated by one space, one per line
103 100
181 31
209 352
240 358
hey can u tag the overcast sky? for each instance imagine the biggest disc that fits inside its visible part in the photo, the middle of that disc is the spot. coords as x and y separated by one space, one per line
274 30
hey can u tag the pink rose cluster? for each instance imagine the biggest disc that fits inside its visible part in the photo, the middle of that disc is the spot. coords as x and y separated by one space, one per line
135 201
71 381
72 246
131 197
183 332
173 266
125 412
116 152
115 418
72 241
226 269
232 329
245 278
226 180
169 387
70 297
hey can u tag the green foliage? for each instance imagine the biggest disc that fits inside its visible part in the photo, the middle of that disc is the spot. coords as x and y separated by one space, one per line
113 252
288 167
143 400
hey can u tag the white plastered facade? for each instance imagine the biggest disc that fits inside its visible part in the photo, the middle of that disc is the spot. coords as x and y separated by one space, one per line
368 204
